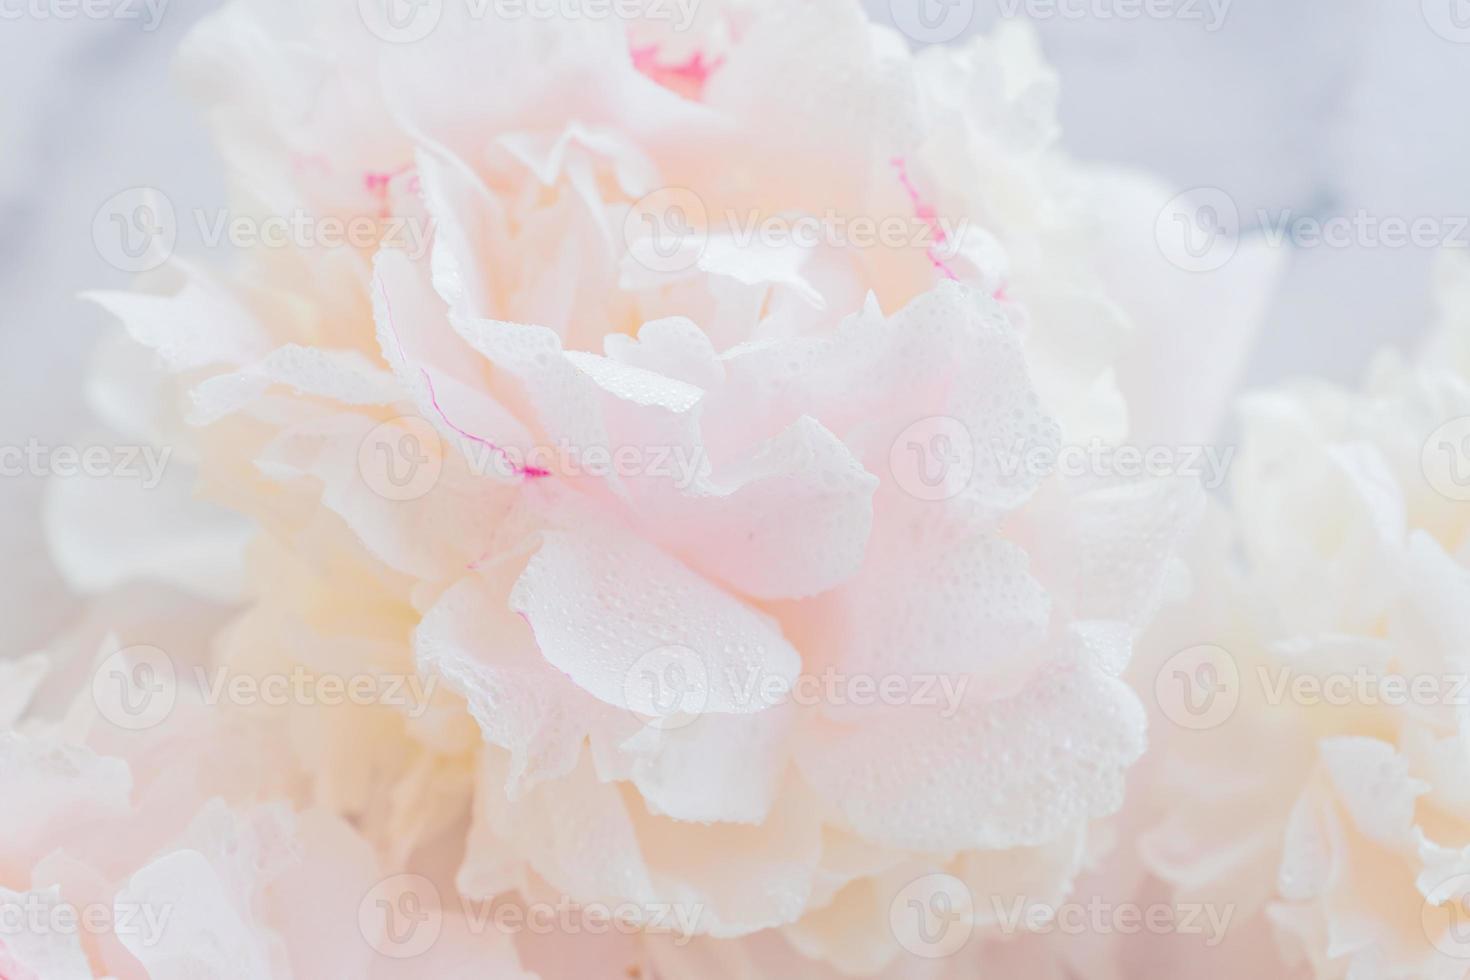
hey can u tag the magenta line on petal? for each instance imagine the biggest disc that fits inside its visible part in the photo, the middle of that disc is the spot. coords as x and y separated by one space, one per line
533 472
925 212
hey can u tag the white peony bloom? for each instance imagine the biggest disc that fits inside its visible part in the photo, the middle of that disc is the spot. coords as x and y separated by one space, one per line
651 441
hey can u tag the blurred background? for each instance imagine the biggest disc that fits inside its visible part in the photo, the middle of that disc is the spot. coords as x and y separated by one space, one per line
1317 109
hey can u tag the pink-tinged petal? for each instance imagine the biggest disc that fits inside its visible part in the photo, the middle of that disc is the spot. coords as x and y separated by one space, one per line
442 521
522 703
932 600
595 841
789 521
343 376
600 602
57 791
170 324
1108 552
1008 773
148 524
45 953
313 904
725 768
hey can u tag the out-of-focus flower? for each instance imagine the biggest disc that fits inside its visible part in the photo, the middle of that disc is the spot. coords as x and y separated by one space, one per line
1315 778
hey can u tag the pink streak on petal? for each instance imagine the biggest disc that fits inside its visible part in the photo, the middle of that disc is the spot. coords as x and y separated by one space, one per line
377 182
534 472
531 472
687 77
925 212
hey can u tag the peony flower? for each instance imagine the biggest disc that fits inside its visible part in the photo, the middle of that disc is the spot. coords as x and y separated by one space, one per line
1315 779
679 529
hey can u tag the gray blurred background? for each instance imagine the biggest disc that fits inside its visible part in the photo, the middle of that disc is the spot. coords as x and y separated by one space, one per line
1319 107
